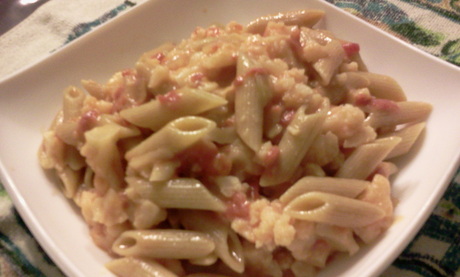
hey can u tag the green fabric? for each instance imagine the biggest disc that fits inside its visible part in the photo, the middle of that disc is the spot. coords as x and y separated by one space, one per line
431 25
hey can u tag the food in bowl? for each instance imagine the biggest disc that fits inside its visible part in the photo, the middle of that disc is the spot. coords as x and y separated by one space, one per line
258 150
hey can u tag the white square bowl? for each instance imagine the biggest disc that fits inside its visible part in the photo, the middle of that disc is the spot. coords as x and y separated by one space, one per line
30 99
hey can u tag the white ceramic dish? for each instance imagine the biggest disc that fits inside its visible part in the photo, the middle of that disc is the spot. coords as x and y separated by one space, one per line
29 100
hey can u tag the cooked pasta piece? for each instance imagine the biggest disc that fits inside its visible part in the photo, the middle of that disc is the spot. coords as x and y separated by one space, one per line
250 98
408 134
228 246
158 112
333 209
138 267
181 193
102 154
177 135
167 244
185 193
306 18
339 186
380 86
404 112
364 159
73 103
299 136
327 66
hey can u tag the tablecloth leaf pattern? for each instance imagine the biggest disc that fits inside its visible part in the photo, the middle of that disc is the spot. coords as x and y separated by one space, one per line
431 25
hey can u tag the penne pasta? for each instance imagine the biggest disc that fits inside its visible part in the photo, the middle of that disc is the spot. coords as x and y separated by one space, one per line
166 244
228 246
102 155
73 103
138 267
181 193
250 99
327 66
364 159
176 136
338 186
405 112
299 136
380 86
175 104
306 18
408 134
333 209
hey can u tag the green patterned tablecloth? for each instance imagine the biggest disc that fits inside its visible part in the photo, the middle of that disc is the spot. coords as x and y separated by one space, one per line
431 25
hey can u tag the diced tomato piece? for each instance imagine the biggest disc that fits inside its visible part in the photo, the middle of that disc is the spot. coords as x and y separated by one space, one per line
287 117
350 48
87 121
203 159
272 156
196 78
384 105
363 99
169 99
238 206
159 56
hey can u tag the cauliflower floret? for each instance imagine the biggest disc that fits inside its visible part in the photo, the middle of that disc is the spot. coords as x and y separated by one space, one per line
267 225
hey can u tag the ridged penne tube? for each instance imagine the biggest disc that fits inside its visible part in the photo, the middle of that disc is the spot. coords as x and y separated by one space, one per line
380 86
327 66
385 87
138 267
164 243
102 154
72 103
94 88
333 209
155 114
67 131
408 135
295 142
182 193
176 136
306 18
406 112
339 186
228 245
365 158
251 97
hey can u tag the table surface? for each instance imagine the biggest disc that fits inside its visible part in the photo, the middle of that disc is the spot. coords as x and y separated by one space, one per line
431 25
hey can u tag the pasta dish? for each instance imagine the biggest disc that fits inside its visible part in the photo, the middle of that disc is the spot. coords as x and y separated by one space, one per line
256 150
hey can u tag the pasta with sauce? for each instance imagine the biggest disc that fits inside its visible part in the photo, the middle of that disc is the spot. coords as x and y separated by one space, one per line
258 150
